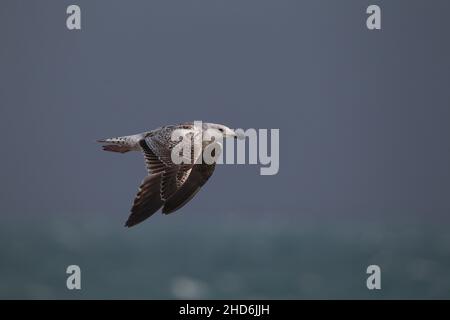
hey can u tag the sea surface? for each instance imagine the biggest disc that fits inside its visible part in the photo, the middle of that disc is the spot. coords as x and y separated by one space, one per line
220 257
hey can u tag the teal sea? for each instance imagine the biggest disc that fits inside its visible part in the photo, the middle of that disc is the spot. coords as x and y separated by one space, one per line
228 256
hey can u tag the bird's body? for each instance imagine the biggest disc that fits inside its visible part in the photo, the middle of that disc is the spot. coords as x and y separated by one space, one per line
170 184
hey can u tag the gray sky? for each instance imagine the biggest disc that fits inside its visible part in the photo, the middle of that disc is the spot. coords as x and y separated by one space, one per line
363 116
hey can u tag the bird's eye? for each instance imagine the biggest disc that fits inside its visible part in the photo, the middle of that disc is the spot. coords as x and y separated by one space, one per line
220 129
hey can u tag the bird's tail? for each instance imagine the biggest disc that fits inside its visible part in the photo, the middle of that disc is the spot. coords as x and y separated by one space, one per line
122 144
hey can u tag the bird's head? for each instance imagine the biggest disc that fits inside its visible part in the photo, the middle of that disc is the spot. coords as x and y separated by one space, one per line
218 130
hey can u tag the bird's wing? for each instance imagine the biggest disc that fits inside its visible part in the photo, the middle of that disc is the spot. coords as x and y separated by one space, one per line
149 198
158 153
198 176
147 201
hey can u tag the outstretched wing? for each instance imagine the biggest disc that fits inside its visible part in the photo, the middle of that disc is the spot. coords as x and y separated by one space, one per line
200 173
148 199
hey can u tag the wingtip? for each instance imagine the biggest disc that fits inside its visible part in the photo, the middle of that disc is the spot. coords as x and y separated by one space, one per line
127 225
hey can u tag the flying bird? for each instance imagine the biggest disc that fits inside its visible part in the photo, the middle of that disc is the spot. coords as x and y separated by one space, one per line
170 185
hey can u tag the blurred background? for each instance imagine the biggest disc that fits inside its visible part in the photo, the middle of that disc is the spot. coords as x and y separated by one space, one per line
364 148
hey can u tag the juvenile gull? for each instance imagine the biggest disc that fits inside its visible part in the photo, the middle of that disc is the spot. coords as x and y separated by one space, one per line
168 185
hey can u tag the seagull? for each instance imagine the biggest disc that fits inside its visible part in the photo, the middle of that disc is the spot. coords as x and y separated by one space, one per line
170 185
